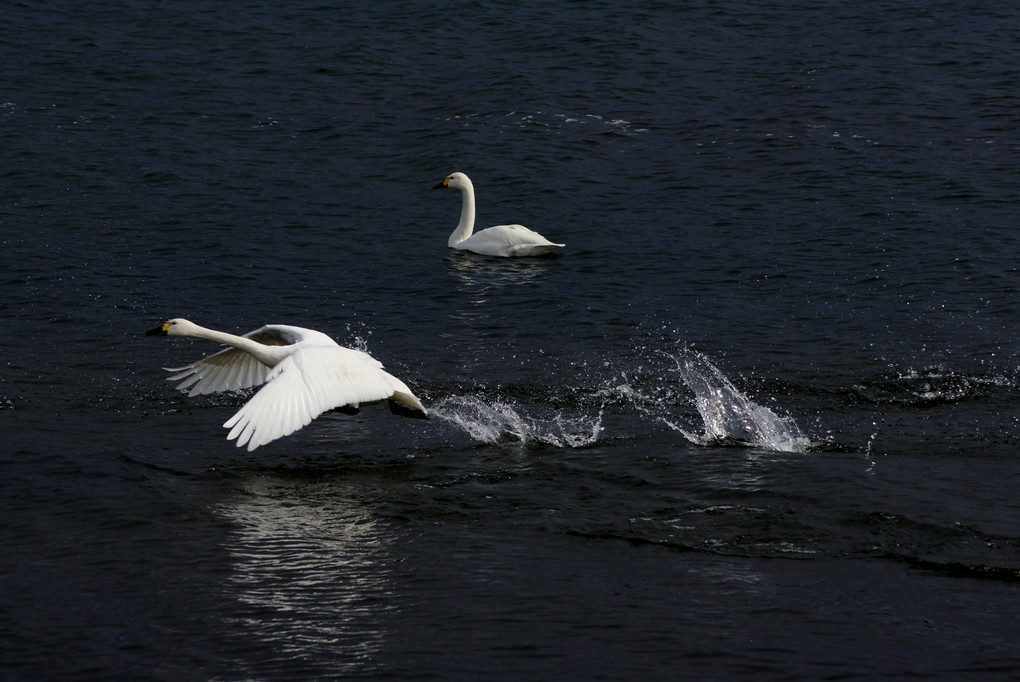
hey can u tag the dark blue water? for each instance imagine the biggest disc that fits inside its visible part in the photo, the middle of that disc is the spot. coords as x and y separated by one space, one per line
760 419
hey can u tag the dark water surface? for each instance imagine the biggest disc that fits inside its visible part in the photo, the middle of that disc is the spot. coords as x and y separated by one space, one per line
759 419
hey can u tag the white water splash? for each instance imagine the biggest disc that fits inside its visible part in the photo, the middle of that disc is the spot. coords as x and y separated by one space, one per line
729 415
491 422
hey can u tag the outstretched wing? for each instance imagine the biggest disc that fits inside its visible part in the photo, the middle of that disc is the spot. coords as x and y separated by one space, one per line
309 382
231 369
228 370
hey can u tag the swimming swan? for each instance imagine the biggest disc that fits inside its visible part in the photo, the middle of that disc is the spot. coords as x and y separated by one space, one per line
501 240
304 371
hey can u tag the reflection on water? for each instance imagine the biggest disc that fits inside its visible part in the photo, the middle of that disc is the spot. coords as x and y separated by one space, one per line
311 573
492 298
479 277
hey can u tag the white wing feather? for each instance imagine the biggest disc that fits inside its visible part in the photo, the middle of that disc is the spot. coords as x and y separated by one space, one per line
312 380
228 370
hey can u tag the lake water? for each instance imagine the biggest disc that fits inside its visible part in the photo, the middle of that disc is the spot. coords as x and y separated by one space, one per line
759 419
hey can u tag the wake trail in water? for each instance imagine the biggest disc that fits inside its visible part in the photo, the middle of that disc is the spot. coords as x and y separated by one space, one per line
728 416
496 421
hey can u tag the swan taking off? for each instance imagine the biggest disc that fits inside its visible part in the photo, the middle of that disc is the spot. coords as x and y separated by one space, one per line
304 371
501 240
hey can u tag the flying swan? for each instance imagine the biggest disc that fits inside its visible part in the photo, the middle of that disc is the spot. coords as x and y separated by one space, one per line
304 371
501 240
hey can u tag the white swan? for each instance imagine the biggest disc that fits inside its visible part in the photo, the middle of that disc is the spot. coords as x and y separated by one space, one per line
304 371
501 240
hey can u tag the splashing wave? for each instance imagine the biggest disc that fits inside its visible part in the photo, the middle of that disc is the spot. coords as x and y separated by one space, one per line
728 416
492 422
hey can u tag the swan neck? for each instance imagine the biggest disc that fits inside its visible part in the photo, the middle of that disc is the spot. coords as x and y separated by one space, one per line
467 215
259 351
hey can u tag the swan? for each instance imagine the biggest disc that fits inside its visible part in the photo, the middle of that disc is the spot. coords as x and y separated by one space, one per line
305 373
501 240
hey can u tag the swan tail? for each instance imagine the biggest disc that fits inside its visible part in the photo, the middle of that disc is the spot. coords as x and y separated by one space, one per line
534 249
407 405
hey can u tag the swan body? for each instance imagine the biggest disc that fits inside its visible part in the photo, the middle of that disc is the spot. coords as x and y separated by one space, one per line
500 240
304 371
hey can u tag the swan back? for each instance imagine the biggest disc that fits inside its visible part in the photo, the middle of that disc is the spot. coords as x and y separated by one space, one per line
286 335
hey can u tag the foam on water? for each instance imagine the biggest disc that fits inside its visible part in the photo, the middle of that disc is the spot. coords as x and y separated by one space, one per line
930 386
495 421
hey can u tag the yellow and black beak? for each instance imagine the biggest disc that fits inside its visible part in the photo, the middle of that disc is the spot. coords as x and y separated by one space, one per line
443 185
160 330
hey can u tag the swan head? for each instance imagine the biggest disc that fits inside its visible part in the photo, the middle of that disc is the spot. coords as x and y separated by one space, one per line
175 327
454 181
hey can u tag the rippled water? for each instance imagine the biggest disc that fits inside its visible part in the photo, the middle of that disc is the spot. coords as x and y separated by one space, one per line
759 419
